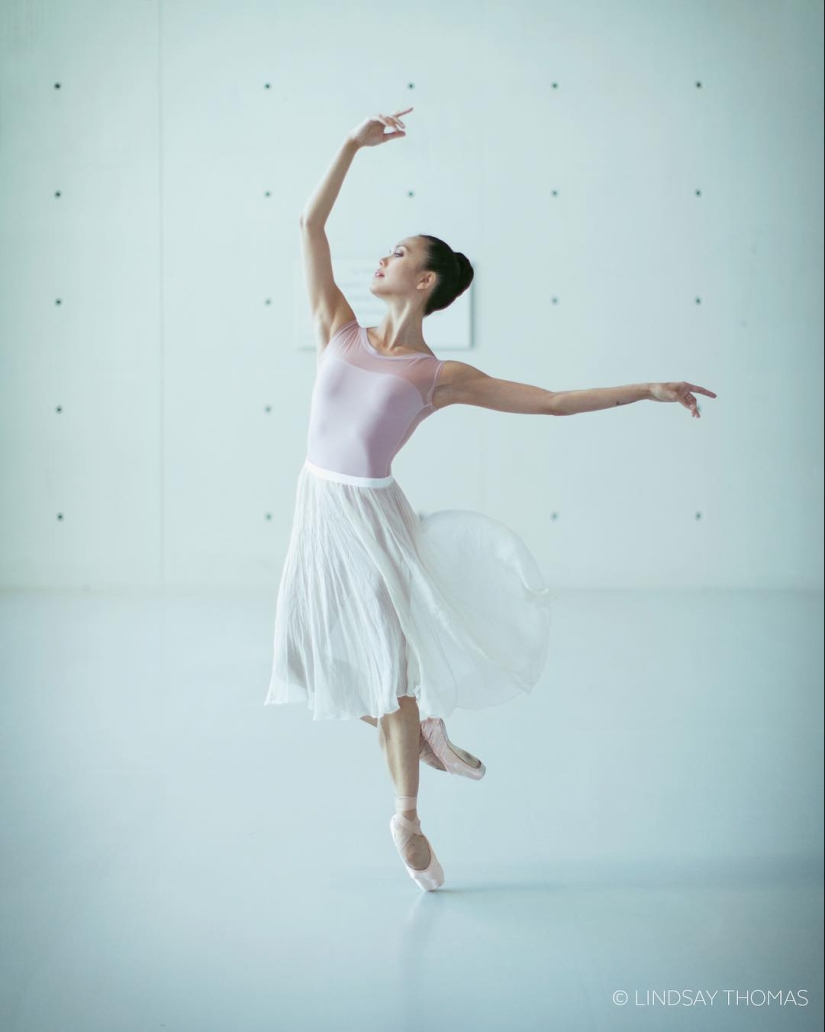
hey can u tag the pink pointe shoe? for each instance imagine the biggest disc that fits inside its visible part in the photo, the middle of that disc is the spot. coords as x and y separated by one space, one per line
426 755
403 829
434 733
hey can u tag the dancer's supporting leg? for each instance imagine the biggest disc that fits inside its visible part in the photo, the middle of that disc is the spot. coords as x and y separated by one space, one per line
429 757
398 735
425 753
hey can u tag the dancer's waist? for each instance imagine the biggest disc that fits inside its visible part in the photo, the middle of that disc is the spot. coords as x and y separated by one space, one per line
348 478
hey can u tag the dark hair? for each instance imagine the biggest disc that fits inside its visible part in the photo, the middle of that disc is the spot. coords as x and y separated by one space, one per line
452 268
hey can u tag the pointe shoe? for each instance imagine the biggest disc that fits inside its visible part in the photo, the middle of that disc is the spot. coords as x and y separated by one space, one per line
403 829
426 754
435 733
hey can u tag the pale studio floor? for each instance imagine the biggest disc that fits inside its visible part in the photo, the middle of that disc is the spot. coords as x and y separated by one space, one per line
177 856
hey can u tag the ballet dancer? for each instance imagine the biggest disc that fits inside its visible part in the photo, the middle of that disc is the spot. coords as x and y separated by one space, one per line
376 619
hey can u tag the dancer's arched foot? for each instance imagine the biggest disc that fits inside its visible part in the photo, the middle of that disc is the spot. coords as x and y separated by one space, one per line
455 759
429 757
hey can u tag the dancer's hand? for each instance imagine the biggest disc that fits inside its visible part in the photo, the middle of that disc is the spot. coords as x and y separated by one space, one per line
680 392
371 131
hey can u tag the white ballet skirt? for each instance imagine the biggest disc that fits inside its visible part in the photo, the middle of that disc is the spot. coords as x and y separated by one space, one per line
375 603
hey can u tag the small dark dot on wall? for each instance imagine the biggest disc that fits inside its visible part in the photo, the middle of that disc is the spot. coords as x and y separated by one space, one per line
267 193
554 516
267 408
555 193
268 301
555 85
698 193
57 193
410 193
555 300
58 302
59 408
57 85
266 86
60 515
698 85
269 516
698 515
698 300
410 85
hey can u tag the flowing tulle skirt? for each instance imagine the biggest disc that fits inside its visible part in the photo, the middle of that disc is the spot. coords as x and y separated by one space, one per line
375 603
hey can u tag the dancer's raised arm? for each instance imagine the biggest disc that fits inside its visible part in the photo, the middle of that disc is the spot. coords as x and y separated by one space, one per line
328 305
369 133
317 208
463 384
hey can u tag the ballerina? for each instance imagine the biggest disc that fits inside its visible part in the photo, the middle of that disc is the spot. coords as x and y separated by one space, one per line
381 615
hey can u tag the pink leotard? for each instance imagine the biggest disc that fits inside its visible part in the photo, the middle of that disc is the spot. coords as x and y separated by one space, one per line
366 405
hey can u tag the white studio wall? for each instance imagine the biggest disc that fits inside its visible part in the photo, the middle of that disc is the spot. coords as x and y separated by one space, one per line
638 185
652 213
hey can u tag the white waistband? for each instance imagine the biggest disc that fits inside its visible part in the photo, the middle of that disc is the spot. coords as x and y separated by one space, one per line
348 478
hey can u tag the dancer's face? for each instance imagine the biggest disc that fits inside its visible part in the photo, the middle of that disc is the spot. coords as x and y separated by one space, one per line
397 273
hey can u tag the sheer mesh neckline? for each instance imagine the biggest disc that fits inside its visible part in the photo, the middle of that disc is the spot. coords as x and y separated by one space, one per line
366 341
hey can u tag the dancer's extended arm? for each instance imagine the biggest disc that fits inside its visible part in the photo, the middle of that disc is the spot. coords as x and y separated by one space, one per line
462 384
